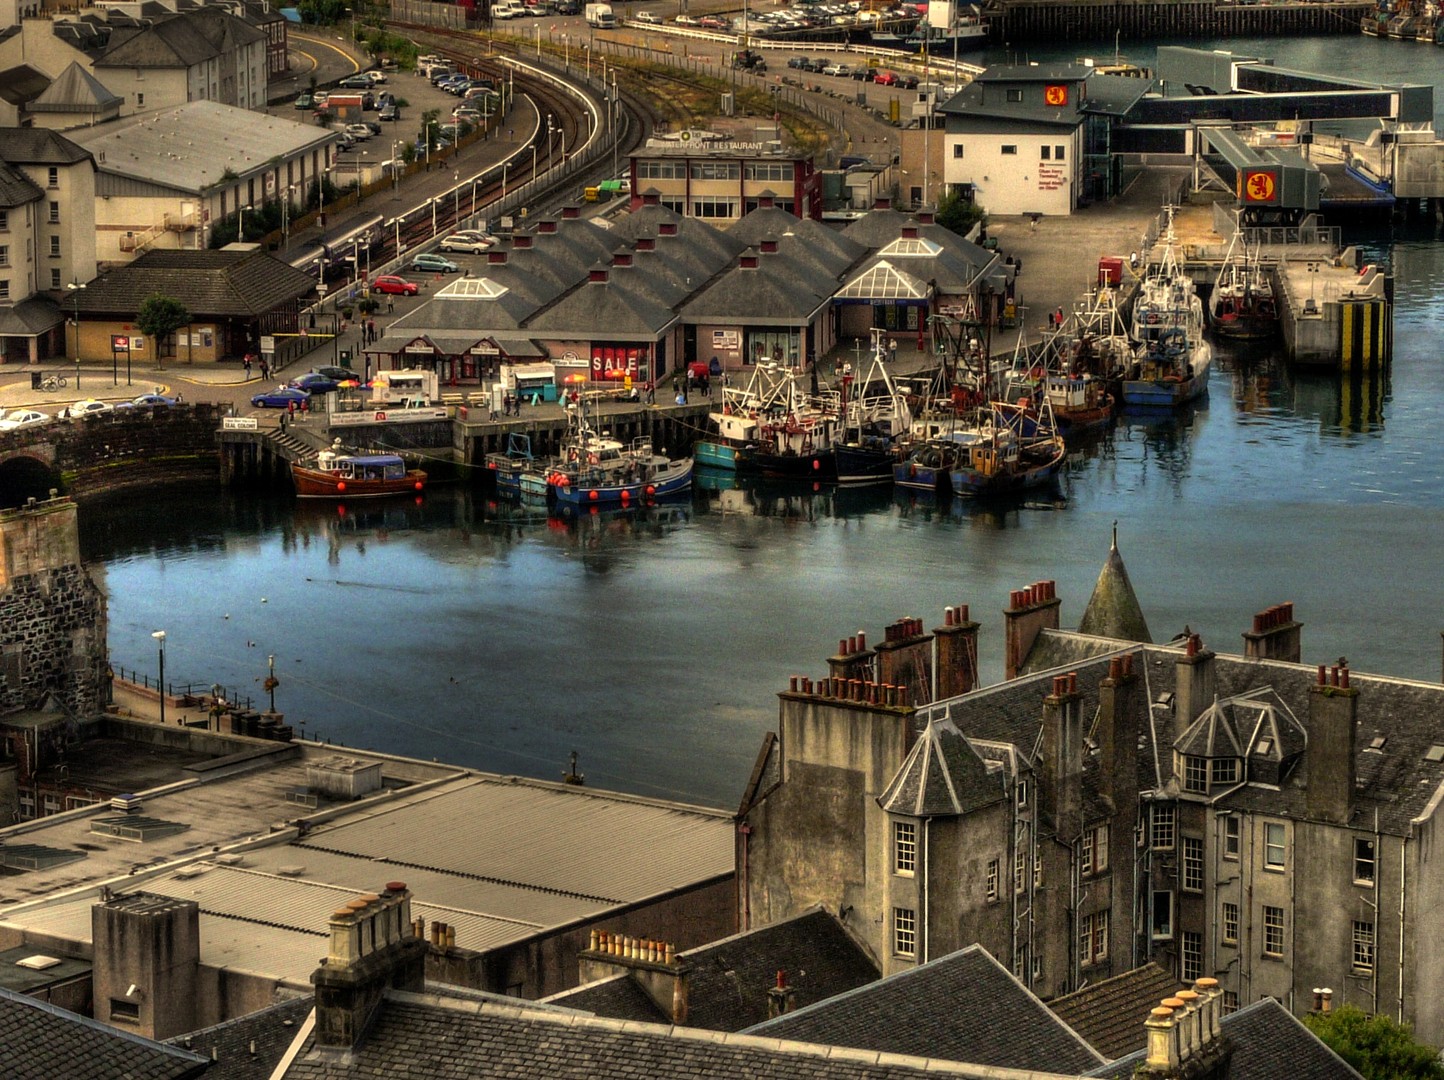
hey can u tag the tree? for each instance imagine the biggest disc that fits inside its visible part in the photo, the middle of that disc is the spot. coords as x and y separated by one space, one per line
1377 1046
957 214
160 317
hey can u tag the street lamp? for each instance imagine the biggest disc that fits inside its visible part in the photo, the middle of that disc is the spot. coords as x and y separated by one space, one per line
505 165
241 228
434 201
549 142
159 636
271 681
395 171
286 216
456 198
75 286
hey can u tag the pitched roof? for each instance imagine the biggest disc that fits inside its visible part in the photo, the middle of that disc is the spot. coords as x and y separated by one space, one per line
769 294
22 83
16 189
251 1046
622 306
183 40
1110 1014
30 317
962 1007
39 146
75 90
943 775
1267 1042
208 283
619 997
435 1035
39 1041
1113 610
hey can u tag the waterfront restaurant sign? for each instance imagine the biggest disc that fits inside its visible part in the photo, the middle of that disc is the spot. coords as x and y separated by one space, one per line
726 340
421 350
570 360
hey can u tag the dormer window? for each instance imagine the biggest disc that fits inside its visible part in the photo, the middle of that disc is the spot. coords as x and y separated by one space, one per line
1264 748
1195 774
1225 770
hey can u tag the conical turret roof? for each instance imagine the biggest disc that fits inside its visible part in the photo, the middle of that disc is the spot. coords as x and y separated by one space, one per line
1113 610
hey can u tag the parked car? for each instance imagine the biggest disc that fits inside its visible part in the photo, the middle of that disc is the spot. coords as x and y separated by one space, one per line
470 242
342 375
649 17
88 407
798 63
281 397
358 131
471 116
907 82
373 126
816 64
395 285
862 72
375 76
149 401
22 419
313 382
305 101
536 11
389 112
885 78
713 22
431 263
355 82
688 20
838 69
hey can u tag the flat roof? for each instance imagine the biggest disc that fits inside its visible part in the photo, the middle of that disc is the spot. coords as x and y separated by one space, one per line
502 859
170 147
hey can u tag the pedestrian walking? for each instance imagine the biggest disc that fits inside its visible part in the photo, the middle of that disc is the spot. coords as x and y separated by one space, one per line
390 303
265 368
291 409
892 349
1060 318
247 364
371 331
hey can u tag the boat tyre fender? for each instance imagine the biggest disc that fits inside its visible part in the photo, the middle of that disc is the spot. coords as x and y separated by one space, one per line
592 459
1153 318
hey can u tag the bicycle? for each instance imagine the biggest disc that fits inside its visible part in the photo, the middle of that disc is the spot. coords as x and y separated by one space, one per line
53 382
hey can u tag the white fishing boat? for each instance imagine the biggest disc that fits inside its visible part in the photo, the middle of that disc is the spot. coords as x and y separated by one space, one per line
1173 358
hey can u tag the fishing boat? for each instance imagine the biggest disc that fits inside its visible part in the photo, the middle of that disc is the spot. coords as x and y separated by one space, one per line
1012 448
1171 364
1080 366
338 475
1242 305
876 416
514 466
772 427
596 470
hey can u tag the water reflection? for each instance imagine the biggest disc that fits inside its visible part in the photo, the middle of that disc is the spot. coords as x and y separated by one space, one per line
726 493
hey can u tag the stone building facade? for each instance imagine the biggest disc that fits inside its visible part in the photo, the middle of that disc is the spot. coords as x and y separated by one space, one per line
1248 818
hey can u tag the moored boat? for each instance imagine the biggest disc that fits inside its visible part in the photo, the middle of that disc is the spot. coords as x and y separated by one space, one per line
338 475
1010 449
597 470
1173 358
1242 305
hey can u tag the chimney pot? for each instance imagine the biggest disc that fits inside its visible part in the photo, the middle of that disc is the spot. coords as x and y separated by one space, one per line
1328 996
1344 677
781 980
862 641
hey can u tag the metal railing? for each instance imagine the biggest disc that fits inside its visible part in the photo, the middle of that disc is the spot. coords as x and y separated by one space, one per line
198 692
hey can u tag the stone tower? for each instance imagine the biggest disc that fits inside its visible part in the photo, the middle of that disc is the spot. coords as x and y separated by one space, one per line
52 615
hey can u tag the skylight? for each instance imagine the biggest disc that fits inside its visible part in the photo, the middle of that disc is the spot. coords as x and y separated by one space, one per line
1435 753
478 288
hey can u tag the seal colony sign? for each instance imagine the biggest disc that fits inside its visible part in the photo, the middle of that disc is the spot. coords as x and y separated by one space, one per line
1055 95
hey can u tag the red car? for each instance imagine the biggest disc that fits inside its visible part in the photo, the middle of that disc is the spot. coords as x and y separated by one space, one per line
390 283
885 78
714 22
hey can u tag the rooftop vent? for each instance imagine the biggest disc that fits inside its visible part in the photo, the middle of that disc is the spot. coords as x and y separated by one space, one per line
136 828
38 962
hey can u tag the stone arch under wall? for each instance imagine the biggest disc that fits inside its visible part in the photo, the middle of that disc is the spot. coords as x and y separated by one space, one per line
27 472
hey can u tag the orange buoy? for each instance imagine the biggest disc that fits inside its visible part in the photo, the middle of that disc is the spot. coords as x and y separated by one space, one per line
626 495
651 490
592 495
816 465
340 485
418 485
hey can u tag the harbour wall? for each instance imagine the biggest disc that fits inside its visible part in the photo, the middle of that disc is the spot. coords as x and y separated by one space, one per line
1019 21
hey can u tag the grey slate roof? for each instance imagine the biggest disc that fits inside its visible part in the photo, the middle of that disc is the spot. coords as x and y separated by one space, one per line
16 189
962 1007
769 294
833 250
75 90
619 997
39 146
435 1036
1113 610
22 83
1267 1042
183 40
943 775
730 978
621 307
713 247
249 1047
208 283
1110 1014
39 1041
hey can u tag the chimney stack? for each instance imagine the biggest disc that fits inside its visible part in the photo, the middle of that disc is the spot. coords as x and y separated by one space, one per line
957 653
781 999
652 964
1196 685
372 949
1275 635
1029 612
1061 773
1330 757
905 658
1117 730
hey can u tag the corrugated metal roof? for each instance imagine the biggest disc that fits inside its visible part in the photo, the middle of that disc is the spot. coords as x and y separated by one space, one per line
266 901
578 842
365 874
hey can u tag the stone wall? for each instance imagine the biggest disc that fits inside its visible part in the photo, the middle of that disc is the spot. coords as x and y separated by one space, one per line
112 452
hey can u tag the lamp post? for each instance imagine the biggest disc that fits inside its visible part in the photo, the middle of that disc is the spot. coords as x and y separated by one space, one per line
75 286
271 681
159 636
505 165
533 162
241 228
1313 279
456 198
434 201
286 216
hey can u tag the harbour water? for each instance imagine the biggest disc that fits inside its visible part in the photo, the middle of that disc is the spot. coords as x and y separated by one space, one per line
652 644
